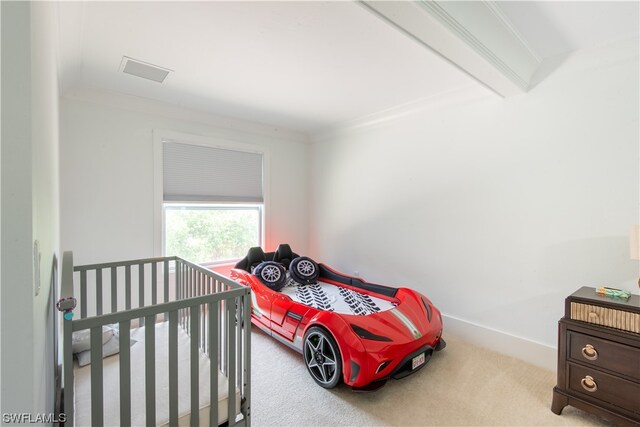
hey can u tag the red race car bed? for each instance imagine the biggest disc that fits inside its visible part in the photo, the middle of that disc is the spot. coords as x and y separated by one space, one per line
346 328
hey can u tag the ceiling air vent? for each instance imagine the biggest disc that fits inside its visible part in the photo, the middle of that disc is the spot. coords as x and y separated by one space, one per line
144 69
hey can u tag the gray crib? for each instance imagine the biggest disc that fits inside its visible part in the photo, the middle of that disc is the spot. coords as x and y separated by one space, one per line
185 317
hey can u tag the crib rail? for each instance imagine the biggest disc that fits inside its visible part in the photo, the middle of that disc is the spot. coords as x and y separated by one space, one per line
212 309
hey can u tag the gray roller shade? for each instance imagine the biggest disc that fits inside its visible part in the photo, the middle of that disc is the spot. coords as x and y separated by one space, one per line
193 173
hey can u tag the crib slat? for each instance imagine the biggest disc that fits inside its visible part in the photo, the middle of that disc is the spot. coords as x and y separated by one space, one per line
203 334
176 268
238 306
154 283
83 294
221 349
96 377
192 283
99 291
141 290
196 293
173 368
231 361
213 359
210 345
114 289
183 292
192 280
154 286
177 285
187 294
195 365
201 327
184 295
196 283
150 370
166 286
166 281
125 373
205 309
127 285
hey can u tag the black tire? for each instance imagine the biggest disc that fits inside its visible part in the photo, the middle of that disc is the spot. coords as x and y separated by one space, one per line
322 357
304 270
271 274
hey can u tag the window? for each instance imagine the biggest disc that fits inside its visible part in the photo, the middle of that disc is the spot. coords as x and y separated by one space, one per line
210 197
211 233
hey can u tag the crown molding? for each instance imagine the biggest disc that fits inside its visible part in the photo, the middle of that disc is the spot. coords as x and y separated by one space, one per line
150 106
448 99
475 36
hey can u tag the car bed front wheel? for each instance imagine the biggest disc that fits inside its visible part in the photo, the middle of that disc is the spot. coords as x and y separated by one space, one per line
322 357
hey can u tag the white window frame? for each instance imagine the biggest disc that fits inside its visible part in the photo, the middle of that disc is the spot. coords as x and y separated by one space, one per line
160 136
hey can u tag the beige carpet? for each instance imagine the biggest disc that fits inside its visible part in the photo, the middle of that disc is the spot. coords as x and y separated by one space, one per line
462 385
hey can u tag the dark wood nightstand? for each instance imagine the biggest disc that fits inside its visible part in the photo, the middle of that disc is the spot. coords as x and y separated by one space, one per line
599 357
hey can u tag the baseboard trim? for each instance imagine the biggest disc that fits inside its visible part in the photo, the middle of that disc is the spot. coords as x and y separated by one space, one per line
521 348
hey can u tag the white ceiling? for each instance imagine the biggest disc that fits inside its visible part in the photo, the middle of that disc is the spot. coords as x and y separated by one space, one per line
306 65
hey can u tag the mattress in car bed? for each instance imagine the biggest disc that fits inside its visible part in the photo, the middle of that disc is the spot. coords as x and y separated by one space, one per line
329 297
111 379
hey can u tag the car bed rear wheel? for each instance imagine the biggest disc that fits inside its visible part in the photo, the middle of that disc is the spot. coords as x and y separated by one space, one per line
304 270
271 274
322 357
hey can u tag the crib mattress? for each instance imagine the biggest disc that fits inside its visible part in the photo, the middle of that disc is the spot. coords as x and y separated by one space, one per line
111 382
329 297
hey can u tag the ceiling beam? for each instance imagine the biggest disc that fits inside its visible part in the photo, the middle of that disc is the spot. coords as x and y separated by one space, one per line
475 36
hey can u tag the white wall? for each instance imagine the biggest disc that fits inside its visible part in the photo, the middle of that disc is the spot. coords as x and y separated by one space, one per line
107 173
496 208
46 195
29 204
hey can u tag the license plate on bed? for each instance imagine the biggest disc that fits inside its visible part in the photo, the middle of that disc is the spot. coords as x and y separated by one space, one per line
417 361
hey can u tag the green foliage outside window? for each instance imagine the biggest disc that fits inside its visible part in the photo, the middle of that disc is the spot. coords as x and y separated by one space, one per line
204 235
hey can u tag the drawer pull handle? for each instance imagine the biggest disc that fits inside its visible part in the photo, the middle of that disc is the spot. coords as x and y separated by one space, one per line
589 352
589 384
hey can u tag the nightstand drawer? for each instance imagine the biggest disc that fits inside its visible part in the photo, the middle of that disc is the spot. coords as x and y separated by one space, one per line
606 316
598 385
613 356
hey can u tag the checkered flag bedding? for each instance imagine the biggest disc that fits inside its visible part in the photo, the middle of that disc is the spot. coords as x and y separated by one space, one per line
329 297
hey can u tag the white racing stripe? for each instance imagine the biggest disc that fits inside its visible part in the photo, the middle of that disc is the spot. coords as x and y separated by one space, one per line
408 323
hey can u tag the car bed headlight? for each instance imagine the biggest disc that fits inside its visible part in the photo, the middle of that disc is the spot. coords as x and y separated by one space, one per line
363 333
